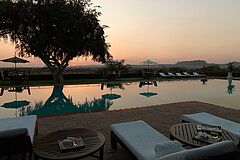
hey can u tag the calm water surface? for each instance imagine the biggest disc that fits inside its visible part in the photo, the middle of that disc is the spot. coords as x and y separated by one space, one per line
48 100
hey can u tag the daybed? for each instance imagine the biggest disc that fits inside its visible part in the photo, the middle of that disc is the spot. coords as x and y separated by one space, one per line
206 118
17 135
143 142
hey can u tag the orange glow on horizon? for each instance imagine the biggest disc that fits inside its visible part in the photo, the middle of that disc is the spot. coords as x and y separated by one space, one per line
165 31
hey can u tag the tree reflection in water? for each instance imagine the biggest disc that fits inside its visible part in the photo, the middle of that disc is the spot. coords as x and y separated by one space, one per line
58 103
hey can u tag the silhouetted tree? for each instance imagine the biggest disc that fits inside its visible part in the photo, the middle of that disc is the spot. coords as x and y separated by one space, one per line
56 31
115 67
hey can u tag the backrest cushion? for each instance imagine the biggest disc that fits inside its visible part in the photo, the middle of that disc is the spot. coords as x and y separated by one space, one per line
164 148
28 122
213 150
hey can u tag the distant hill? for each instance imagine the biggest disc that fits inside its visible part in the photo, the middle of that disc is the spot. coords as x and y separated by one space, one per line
192 64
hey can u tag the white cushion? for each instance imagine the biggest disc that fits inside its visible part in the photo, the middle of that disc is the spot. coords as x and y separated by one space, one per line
165 148
140 138
213 150
206 118
28 122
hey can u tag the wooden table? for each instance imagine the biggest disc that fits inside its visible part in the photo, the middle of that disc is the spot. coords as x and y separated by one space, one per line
184 132
47 147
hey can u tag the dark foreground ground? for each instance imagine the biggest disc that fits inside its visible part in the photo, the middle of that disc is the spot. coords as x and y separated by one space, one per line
160 117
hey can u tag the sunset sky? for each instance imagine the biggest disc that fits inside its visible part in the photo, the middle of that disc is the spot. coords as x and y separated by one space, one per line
166 31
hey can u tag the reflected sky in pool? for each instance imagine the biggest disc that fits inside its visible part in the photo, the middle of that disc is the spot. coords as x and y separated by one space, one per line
50 100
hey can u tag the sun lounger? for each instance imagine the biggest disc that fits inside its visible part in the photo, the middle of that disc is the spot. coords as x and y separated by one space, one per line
179 75
171 74
198 75
206 118
29 122
163 75
187 74
143 142
17 135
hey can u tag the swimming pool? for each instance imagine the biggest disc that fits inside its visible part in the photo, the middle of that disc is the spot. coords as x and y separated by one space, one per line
48 100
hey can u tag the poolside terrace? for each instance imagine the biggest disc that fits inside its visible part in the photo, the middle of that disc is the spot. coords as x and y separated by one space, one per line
160 117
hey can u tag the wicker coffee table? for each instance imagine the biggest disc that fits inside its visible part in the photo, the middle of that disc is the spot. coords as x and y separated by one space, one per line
184 132
47 147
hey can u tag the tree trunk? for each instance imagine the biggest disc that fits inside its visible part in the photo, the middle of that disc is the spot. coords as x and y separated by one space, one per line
58 76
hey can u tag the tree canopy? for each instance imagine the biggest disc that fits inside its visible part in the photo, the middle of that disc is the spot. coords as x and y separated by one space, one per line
56 31
113 67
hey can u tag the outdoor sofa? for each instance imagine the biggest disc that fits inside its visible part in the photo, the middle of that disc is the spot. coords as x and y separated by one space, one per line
145 143
207 118
17 135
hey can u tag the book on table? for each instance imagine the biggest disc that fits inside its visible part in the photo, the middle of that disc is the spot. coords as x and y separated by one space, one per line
70 143
209 128
207 137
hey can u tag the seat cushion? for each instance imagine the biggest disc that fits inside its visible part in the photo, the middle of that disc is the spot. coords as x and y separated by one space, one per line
140 138
206 118
28 122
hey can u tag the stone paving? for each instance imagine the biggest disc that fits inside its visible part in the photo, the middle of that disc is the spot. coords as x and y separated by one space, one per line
160 117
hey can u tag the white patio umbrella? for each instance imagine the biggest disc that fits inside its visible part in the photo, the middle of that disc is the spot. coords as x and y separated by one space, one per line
15 60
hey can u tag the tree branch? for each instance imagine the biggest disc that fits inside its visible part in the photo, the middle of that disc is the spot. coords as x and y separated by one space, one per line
47 63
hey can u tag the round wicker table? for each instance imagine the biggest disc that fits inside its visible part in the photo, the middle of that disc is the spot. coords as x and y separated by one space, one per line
185 132
47 147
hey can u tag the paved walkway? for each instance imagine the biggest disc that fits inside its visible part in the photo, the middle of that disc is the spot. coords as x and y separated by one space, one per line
160 117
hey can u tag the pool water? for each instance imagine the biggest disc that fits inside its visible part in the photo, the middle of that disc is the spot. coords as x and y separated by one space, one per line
51 100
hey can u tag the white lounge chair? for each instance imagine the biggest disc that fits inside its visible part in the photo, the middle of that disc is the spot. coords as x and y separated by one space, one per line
179 75
187 74
206 118
198 75
163 75
171 74
141 140
17 135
